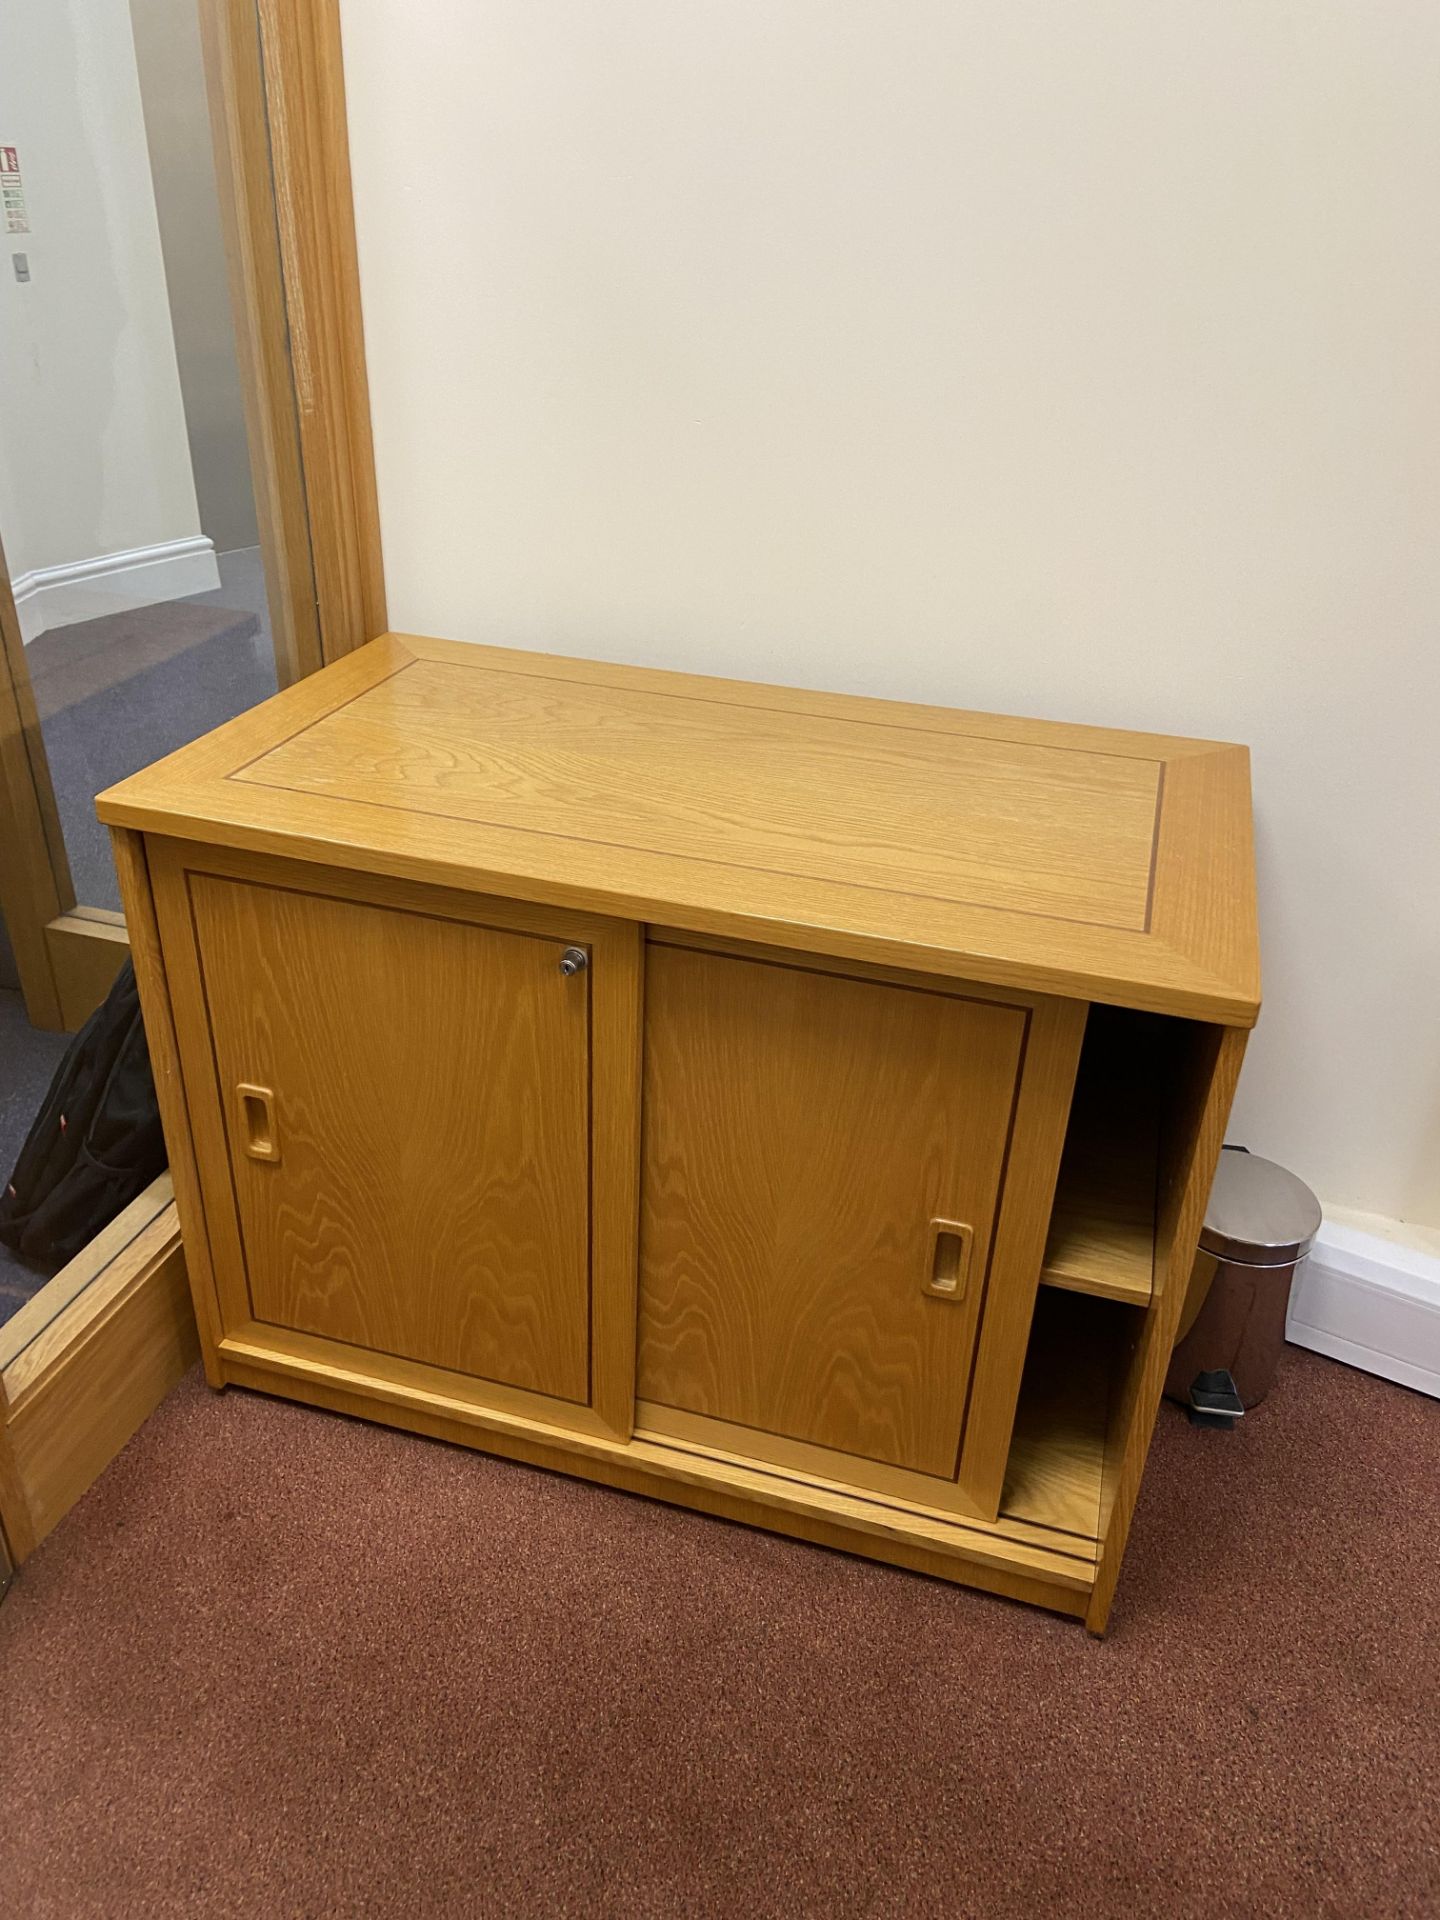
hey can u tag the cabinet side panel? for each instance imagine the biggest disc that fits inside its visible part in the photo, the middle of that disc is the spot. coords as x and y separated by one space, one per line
1203 1082
1037 1138
133 867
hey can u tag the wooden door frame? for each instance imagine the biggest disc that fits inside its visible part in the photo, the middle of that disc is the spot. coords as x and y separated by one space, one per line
275 74
275 80
35 884
87 1360
120 1331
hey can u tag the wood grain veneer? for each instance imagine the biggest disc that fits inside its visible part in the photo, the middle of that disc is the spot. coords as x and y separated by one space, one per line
439 1191
806 1137
801 1132
1199 1089
420 1195
246 181
452 1408
305 138
77 1391
870 1016
1102 1227
35 881
1078 861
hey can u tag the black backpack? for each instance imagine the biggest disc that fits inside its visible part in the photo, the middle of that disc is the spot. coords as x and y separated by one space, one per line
96 1142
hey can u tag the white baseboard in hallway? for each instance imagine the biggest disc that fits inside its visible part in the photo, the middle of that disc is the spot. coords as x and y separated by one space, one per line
60 596
1372 1299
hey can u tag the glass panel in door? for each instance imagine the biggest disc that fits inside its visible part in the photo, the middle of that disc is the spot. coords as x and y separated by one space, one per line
127 513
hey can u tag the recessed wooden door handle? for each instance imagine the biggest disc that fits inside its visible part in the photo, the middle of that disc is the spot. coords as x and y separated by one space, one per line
948 1268
257 1121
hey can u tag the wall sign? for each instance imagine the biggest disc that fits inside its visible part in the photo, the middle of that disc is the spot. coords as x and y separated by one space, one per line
12 192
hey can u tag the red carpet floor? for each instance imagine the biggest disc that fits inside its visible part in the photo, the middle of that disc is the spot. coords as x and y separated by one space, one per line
279 1663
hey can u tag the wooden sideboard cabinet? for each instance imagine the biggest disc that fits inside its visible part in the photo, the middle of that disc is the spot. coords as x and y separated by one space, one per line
796 1106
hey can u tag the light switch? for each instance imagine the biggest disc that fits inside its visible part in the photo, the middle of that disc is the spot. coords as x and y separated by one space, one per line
22 265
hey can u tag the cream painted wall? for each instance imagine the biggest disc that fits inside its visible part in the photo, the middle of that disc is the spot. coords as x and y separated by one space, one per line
94 459
1077 360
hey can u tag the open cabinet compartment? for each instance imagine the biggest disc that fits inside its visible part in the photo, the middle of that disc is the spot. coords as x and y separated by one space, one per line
1117 1266
1077 1353
1102 1225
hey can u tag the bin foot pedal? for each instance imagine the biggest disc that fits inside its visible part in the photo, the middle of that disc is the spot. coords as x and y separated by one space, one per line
1214 1401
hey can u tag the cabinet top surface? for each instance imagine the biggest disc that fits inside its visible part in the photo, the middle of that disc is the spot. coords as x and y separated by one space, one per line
1108 865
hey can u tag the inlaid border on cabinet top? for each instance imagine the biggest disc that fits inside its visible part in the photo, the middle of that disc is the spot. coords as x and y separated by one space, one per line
1076 860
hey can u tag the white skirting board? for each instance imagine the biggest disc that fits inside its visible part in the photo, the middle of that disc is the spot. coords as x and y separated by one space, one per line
1372 1299
113 583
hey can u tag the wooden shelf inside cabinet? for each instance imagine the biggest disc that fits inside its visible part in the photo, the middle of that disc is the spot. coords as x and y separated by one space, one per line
1102 1227
1057 1454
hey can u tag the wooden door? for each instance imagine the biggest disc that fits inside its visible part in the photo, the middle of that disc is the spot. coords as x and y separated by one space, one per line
406 1111
390 1090
824 1159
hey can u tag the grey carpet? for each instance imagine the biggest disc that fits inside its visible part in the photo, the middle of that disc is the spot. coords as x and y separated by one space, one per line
28 1059
122 722
68 664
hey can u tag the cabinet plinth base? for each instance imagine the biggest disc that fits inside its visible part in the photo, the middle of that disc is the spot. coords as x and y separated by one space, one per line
1019 1559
